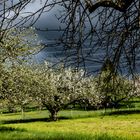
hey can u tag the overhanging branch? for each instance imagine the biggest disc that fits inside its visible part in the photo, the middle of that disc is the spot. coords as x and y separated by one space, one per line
120 5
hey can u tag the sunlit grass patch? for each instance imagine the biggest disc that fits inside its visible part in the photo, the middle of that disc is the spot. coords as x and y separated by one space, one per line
17 134
124 127
59 136
75 125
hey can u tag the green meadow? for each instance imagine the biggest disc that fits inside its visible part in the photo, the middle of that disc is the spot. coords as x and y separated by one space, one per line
72 125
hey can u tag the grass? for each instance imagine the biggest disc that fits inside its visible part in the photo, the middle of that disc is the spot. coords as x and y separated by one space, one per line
17 134
75 125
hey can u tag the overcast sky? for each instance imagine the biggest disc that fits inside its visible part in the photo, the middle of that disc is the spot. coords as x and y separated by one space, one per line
46 20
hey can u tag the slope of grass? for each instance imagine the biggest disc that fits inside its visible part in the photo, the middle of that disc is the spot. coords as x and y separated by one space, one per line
17 134
81 125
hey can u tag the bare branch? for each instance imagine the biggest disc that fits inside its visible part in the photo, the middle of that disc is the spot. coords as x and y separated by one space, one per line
120 5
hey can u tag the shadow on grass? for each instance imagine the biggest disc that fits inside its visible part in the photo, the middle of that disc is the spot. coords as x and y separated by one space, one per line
124 112
31 120
116 112
10 129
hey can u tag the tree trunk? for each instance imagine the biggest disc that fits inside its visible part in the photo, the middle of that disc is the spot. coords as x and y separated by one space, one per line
22 113
53 115
10 109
